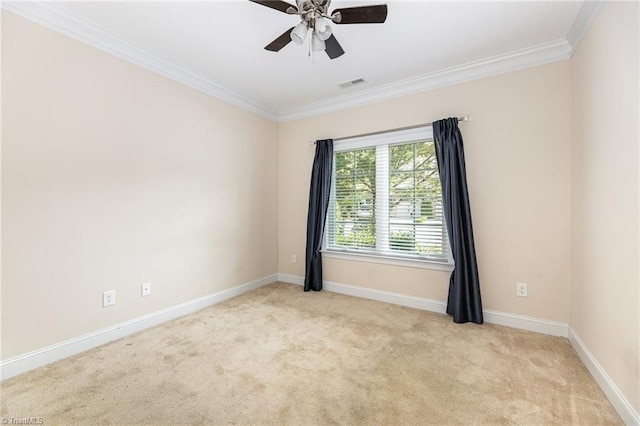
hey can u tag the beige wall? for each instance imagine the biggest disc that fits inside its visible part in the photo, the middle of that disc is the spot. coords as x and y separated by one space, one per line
113 176
605 214
518 153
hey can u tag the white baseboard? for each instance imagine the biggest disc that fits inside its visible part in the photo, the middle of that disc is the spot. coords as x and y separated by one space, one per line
291 279
551 328
493 317
29 361
618 400
626 411
379 295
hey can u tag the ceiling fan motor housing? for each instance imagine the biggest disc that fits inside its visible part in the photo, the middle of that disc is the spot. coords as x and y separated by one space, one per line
315 17
312 10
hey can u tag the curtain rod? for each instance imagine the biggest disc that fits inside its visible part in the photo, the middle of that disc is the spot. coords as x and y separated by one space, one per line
463 119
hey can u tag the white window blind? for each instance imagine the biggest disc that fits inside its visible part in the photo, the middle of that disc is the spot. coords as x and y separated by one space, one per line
386 197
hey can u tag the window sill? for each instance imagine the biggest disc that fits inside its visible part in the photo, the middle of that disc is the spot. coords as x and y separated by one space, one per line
388 260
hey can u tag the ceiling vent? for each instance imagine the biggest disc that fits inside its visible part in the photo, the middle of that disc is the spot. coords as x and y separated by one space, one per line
351 83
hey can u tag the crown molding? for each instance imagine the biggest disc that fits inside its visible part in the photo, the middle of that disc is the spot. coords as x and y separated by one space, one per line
520 59
53 17
581 24
512 61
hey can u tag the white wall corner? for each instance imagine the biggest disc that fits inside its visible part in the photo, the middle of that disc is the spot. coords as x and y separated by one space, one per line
521 322
40 357
581 24
291 279
624 408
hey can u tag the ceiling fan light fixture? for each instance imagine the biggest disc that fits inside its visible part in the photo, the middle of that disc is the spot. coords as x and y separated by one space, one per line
299 33
323 29
317 44
317 19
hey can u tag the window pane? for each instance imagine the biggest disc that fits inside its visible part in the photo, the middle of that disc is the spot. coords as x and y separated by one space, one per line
411 219
352 210
415 218
429 237
401 158
365 161
355 235
426 156
428 183
401 197
343 163
402 238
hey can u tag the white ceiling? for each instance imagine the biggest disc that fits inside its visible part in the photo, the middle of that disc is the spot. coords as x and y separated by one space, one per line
217 46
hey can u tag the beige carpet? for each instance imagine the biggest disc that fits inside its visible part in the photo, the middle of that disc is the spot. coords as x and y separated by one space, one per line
278 355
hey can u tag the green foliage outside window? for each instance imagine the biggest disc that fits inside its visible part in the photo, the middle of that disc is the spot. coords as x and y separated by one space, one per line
402 241
355 198
414 185
359 236
415 200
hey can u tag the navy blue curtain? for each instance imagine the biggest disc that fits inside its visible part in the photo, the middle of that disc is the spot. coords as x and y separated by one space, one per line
318 206
464 304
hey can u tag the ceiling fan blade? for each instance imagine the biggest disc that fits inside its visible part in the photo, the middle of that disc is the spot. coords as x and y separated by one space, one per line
376 14
280 42
280 5
333 48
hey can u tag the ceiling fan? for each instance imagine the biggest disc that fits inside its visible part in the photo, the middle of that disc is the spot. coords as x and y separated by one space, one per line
314 17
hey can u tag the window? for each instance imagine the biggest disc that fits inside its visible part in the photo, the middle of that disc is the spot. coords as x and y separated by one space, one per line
386 198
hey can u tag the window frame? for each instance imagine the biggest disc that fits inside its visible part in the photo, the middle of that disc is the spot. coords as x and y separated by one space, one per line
405 136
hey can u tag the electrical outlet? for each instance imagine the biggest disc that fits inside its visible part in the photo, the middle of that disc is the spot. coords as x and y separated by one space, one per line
109 298
294 259
521 289
145 289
